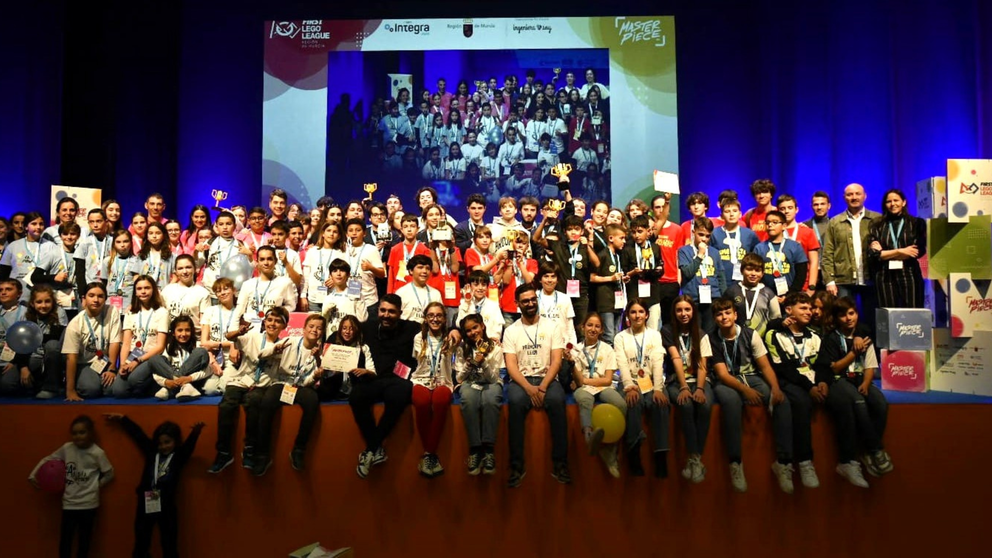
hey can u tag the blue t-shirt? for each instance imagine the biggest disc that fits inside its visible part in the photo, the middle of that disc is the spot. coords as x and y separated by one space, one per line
781 257
742 240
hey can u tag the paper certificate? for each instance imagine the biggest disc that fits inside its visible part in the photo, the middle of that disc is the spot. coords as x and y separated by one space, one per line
340 358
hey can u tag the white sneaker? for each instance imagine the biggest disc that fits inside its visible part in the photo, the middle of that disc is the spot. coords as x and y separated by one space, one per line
687 471
698 470
784 475
609 456
187 393
852 472
737 479
808 474
162 394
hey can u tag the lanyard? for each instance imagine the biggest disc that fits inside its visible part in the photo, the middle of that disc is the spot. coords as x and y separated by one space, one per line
355 270
435 354
599 236
409 254
320 267
554 302
259 301
773 256
615 258
119 272
144 326
895 235
416 294
220 318
259 365
484 259
640 347
257 242
68 265
574 252
443 263
537 334
685 350
99 343
299 361
646 262
750 306
161 469
158 266
801 353
103 247
857 359
816 230
227 255
732 244
37 252
731 359
478 306
795 233
591 362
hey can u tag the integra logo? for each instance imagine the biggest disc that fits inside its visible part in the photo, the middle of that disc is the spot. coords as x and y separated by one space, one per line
415 28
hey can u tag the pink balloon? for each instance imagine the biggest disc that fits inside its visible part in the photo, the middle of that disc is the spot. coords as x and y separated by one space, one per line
51 476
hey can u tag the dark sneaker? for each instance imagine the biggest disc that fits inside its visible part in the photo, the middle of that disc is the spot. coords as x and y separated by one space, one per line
220 463
248 458
489 463
424 466
261 465
595 440
561 474
364 464
296 459
516 477
882 462
436 469
474 464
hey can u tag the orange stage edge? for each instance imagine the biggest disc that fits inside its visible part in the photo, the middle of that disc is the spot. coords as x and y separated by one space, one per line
936 500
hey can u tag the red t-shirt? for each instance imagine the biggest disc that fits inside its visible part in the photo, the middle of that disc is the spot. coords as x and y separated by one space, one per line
397 255
437 280
474 258
754 219
807 239
670 240
687 228
507 295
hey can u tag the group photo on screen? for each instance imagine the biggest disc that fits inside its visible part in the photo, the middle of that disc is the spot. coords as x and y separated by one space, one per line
492 122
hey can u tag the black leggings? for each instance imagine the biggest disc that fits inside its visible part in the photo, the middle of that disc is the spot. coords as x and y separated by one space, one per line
307 400
73 520
144 524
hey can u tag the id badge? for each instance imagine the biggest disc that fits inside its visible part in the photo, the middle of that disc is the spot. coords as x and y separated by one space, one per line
781 287
99 364
643 289
618 300
117 302
450 290
322 289
354 287
255 318
600 148
477 387
645 383
401 273
402 370
895 264
136 354
288 395
808 373
738 276
572 288
494 293
153 501
7 354
219 357
705 295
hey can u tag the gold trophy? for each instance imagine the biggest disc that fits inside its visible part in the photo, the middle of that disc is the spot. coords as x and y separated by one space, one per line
371 187
561 172
557 71
218 196
485 346
556 204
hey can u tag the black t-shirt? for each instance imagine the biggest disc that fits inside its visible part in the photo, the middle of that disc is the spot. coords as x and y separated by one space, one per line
390 345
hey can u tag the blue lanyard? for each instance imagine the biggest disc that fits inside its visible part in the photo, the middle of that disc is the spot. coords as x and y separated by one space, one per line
259 365
591 363
259 302
230 246
69 265
102 249
435 354
410 254
640 347
895 235
816 229
731 360
802 353
416 294
33 257
615 258
355 269
220 318
773 255
537 334
144 327
685 350
843 345
574 252
542 296
600 237
642 260
299 361
99 343
119 271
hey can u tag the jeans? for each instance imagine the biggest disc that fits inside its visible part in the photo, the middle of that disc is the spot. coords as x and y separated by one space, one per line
520 404
308 401
659 415
227 415
732 405
481 410
610 321
431 407
46 372
136 384
89 384
215 385
800 411
695 417
72 521
586 400
860 420
394 392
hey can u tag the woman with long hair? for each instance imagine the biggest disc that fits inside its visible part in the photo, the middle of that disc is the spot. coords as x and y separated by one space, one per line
895 244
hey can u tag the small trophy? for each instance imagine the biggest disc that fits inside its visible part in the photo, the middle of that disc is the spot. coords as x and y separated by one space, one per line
218 196
557 71
485 346
556 204
371 187
561 172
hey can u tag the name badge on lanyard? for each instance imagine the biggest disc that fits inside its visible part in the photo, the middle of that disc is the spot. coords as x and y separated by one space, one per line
572 288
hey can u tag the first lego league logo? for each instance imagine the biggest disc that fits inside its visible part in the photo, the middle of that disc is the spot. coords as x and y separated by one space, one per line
980 188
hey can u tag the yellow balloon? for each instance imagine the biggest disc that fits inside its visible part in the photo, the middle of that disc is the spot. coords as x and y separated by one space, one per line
611 420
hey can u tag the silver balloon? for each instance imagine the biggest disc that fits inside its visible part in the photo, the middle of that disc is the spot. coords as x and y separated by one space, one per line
24 337
496 136
237 269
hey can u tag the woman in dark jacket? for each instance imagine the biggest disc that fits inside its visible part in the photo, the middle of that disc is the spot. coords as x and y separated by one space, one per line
895 244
